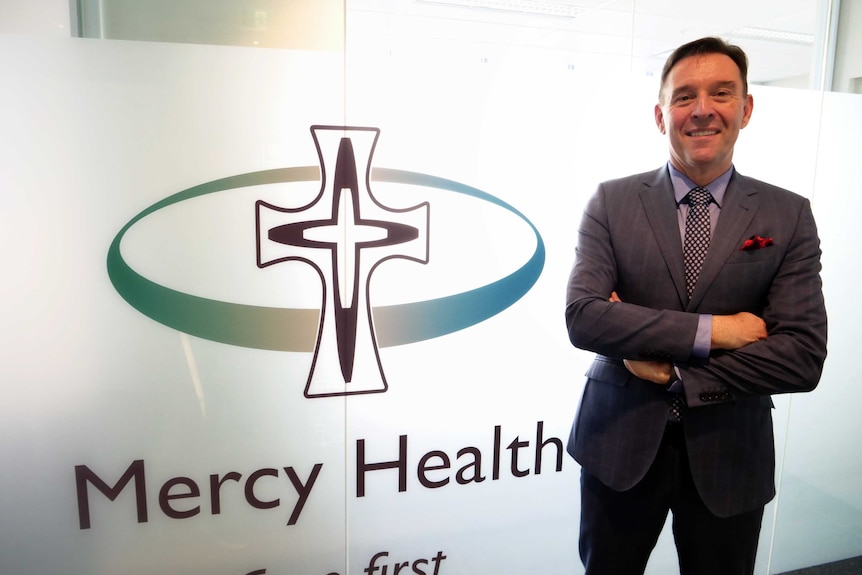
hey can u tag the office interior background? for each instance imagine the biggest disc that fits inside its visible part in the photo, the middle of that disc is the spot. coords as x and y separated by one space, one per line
502 115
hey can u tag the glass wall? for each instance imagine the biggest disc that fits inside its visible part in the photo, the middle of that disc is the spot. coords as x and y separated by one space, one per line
184 391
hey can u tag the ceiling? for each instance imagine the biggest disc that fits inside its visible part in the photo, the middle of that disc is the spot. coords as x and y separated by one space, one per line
780 36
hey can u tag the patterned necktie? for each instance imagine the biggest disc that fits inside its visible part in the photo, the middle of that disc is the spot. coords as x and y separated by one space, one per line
677 405
696 235
694 251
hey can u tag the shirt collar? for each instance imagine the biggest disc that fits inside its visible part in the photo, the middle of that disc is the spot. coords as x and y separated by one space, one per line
682 185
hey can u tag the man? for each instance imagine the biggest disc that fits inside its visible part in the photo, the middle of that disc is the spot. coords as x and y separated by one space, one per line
676 414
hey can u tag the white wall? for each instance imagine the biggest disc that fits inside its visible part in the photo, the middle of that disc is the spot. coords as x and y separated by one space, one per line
848 58
42 17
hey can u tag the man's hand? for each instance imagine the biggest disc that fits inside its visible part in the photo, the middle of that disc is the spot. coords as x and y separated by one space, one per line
655 371
737 330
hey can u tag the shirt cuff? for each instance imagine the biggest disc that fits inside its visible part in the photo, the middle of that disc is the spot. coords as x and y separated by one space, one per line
703 338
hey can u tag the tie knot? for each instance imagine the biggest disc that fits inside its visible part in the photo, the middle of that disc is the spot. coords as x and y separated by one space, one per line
699 196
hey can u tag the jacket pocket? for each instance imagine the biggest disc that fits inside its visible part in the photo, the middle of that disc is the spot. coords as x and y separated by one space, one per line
609 371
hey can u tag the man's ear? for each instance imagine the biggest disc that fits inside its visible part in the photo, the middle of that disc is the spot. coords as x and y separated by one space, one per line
747 108
659 118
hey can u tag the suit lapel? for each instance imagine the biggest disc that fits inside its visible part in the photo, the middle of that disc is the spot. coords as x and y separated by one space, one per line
660 207
740 205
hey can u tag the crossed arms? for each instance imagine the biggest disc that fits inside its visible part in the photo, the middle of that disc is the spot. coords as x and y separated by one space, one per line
768 330
729 332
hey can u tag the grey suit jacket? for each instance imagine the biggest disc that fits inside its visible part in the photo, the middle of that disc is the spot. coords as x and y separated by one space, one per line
629 241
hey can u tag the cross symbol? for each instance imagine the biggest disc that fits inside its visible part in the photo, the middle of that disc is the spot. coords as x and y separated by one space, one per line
344 234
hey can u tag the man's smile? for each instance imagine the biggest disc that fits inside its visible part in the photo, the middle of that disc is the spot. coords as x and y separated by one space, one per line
699 133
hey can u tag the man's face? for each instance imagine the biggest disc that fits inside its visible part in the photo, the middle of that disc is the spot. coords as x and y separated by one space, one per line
702 108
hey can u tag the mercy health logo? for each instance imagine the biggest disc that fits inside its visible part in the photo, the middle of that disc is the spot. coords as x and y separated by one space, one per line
328 223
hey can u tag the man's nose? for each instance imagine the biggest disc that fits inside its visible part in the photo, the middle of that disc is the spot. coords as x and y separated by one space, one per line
702 106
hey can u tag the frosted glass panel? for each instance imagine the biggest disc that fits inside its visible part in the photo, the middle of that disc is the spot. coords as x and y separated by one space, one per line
223 461
820 488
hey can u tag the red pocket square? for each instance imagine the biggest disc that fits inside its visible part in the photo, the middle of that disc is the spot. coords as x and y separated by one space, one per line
755 243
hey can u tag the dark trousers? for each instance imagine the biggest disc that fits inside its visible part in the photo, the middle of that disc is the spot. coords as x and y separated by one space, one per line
619 529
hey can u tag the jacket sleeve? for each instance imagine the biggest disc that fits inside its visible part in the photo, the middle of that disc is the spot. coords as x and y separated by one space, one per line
614 241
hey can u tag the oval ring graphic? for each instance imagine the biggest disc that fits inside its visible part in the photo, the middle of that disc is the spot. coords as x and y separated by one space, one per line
274 328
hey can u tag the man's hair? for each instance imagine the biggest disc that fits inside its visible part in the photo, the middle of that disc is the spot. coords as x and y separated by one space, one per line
708 45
